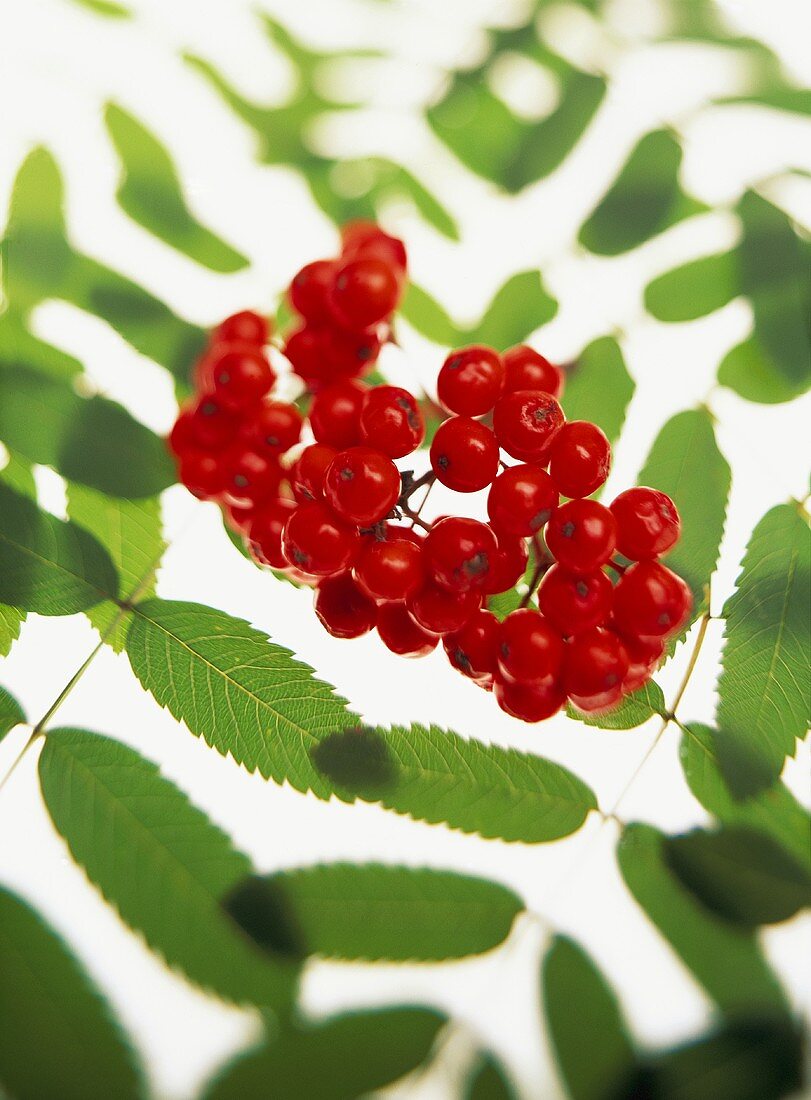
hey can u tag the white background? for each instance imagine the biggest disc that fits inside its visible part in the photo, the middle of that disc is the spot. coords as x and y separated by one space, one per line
60 64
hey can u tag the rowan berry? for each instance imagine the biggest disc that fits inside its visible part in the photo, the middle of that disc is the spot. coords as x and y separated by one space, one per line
239 375
309 470
507 565
250 477
391 568
525 369
342 608
580 458
181 438
473 650
529 702
273 427
401 634
651 601
364 292
309 291
245 327
212 425
644 655
239 517
582 535
335 414
572 603
648 523
471 380
458 552
318 542
362 485
521 500
464 454
530 649
391 421
440 611
594 668
366 238
526 422
202 474
264 531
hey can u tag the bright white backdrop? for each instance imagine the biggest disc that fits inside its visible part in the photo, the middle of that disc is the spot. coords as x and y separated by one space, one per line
60 64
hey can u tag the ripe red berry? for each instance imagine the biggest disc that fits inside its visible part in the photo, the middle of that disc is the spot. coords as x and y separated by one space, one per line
245 327
595 665
391 421
250 477
309 291
471 380
202 474
181 438
439 611
507 565
473 650
530 649
529 702
316 541
526 422
391 568
362 485
321 356
366 238
343 610
521 500
239 375
525 369
335 414
644 655
273 427
304 350
648 523
212 425
364 293
401 634
575 603
310 469
580 458
464 454
238 517
582 535
264 531
650 600
458 552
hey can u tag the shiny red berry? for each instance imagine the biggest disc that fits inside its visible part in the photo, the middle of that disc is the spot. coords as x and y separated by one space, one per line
323 355
521 500
580 458
439 611
362 485
458 552
526 422
181 438
318 542
530 649
250 477
473 650
273 427
309 470
508 564
310 289
464 454
264 531
644 655
648 523
391 421
529 702
575 603
213 425
365 291
368 239
401 634
245 327
650 600
335 414
525 369
239 375
391 568
471 380
342 608
202 474
594 668
239 517
582 535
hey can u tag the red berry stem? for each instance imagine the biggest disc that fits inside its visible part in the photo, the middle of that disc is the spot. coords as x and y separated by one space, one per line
543 560
408 491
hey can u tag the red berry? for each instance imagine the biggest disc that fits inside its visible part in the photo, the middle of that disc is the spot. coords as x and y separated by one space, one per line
238 517
522 499
464 454
580 458
316 541
335 414
648 523
362 485
471 380
344 611
364 293
391 568
250 477
439 611
458 552
575 603
391 421
582 535
529 702
530 649
366 238
651 600
507 565
265 531
473 650
525 369
310 469
321 356
399 633
202 474
273 427
644 655
245 327
213 426
239 375
182 437
309 291
304 349
526 422
596 662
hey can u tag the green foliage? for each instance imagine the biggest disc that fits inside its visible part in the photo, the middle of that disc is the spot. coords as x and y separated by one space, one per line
159 860
58 1037
344 1058
374 911
598 386
18 476
47 565
694 289
488 1080
634 709
763 687
19 348
588 1034
150 192
109 8
11 713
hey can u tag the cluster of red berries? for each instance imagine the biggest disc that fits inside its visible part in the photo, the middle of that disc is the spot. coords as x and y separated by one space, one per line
336 512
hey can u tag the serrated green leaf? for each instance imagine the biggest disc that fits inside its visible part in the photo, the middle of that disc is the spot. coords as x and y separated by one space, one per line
694 289
345 1058
740 874
488 1080
150 192
598 386
92 440
47 565
375 911
644 200
774 811
58 1037
763 688
636 708
11 713
725 960
583 1015
159 860
132 533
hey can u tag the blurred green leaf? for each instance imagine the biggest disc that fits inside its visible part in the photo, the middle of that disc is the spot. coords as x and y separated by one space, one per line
639 707
109 8
749 370
11 713
795 100
488 1080
17 475
694 289
598 386
19 348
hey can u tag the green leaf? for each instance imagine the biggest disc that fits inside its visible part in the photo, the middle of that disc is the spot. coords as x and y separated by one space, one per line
763 691
109 8
774 811
150 192
19 348
634 709
11 713
488 1080
159 860
643 201
58 1037
374 911
132 533
598 386
47 565
583 1015
725 960
92 440
18 476
795 100
342 1059
740 874
685 463
694 289
750 372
